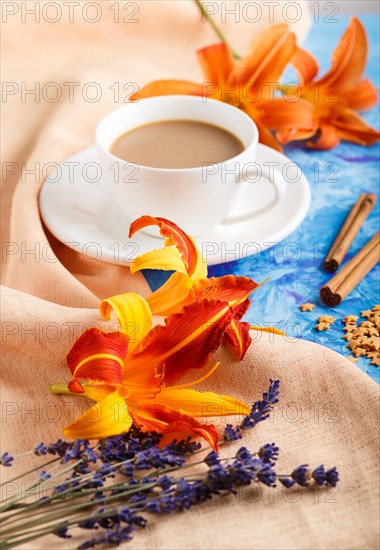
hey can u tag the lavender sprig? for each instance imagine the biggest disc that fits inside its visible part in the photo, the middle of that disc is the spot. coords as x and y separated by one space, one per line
113 485
261 409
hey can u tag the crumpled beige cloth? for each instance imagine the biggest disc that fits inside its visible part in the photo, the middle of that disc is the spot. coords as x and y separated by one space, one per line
329 409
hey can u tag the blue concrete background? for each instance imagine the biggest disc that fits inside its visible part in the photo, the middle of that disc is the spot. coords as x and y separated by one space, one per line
336 179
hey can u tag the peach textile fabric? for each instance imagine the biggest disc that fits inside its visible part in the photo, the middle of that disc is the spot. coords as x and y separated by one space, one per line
329 409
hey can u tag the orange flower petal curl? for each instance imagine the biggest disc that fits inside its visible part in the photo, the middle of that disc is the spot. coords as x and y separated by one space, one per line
98 356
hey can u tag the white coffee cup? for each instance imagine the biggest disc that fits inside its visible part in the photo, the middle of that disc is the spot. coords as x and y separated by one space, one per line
197 199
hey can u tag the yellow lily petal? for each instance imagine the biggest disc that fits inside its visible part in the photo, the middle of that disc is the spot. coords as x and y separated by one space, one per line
196 403
133 314
172 296
97 393
200 270
168 259
271 330
108 417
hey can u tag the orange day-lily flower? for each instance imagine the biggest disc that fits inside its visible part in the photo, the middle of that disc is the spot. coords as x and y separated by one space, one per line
248 84
189 282
336 95
133 380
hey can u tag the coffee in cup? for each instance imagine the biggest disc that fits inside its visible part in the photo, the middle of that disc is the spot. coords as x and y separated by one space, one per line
177 144
179 183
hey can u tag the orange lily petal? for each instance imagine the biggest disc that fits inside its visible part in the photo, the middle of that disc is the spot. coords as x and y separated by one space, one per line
351 127
216 62
240 309
180 290
266 137
349 59
293 134
238 336
305 65
97 356
195 403
269 54
192 259
162 419
326 138
358 135
133 314
108 417
185 341
231 289
172 296
168 87
364 97
280 114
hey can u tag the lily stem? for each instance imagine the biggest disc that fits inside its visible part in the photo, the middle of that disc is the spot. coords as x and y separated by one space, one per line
215 28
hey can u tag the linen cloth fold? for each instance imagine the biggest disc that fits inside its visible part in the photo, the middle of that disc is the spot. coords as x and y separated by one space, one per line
328 411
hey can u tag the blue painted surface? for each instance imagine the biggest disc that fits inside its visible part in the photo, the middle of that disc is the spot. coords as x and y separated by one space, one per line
336 179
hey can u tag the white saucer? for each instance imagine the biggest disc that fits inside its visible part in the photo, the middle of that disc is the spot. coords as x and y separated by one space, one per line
79 214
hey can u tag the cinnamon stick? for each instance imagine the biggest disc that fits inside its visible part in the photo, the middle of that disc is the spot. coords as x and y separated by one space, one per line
346 280
349 230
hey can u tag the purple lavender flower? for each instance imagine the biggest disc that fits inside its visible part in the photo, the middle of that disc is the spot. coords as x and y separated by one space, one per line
60 488
184 447
95 482
269 452
82 468
137 520
212 459
109 537
58 447
165 482
267 475
125 514
89 523
259 469
319 475
237 474
286 482
61 531
322 477
332 476
88 454
40 449
92 542
184 495
261 409
6 459
243 455
231 433
106 469
127 470
301 475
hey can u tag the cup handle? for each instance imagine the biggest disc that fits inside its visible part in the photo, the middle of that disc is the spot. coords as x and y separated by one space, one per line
275 178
